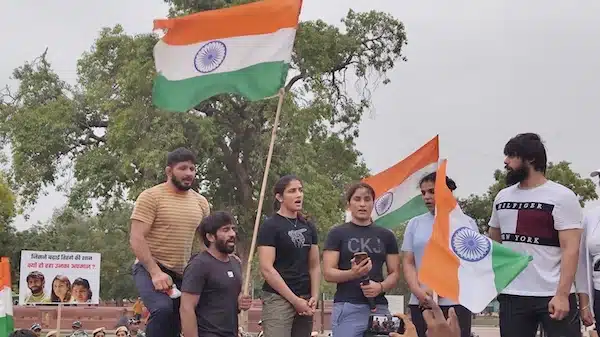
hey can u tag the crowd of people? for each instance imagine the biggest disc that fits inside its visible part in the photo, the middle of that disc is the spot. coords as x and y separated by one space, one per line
201 295
130 329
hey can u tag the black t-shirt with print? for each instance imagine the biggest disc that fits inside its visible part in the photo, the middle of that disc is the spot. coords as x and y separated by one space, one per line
219 284
350 238
292 239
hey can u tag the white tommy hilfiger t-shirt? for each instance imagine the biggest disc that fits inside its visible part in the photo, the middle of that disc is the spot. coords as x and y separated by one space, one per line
529 220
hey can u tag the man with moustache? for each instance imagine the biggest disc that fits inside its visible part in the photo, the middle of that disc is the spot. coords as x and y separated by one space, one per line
212 281
543 219
163 223
36 283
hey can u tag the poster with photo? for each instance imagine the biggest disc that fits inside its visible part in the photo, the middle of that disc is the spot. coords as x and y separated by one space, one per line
59 277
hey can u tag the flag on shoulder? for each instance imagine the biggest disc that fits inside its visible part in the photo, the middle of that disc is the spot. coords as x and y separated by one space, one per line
398 198
7 324
459 263
243 49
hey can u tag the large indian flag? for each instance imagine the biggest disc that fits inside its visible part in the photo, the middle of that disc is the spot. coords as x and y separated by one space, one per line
459 263
243 49
397 188
6 306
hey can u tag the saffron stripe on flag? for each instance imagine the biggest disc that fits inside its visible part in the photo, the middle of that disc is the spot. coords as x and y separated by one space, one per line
261 17
395 175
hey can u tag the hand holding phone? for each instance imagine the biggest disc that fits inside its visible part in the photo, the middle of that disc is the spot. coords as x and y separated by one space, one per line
361 264
384 325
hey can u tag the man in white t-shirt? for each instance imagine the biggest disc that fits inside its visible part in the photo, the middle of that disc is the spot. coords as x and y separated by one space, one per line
540 218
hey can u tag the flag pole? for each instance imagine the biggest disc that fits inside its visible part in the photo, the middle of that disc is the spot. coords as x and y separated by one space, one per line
261 198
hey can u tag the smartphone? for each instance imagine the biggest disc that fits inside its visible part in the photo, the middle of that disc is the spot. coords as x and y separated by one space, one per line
360 257
383 325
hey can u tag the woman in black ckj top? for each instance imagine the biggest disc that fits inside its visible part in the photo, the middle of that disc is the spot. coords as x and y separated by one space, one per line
289 262
351 308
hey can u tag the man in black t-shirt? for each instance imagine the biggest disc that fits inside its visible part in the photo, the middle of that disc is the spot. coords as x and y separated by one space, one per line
212 281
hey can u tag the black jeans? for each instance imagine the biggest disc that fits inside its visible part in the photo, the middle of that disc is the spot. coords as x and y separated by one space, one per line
520 316
463 314
164 320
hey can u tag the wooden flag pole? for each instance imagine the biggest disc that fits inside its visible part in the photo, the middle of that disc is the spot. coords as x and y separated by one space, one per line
262 193
261 199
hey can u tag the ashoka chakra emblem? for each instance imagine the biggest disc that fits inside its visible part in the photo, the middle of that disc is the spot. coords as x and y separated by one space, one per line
210 57
469 245
383 203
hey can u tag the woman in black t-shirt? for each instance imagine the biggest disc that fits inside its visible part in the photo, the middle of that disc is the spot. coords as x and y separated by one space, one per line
289 262
360 285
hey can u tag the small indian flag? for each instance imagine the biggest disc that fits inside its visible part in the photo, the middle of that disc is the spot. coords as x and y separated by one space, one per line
7 324
243 49
396 189
459 263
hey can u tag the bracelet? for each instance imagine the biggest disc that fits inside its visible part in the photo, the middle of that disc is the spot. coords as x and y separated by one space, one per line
584 307
381 285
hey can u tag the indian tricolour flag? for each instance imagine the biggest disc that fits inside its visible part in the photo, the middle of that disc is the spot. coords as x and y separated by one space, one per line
398 198
459 263
243 49
6 306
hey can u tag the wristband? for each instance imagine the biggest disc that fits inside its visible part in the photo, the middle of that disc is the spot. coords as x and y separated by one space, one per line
381 285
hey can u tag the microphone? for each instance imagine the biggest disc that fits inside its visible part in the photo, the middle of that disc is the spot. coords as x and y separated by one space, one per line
365 281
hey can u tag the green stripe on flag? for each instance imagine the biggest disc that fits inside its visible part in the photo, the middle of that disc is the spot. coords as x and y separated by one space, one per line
7 326
507 264
255 82
412 208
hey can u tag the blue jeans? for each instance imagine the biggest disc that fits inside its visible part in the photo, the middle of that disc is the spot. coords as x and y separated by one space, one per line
352 320
164 320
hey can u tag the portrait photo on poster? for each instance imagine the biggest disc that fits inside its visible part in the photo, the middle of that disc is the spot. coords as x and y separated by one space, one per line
59 277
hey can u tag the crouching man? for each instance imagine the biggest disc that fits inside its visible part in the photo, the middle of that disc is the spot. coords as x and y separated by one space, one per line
212 282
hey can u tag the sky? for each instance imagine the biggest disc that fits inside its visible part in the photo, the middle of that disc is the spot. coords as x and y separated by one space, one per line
478 73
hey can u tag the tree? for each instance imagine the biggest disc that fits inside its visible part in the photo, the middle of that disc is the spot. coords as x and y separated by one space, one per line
108 132
479 207
7 203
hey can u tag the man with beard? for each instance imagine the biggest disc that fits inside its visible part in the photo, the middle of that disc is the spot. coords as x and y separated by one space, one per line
36 282
540 218
163 224
212 281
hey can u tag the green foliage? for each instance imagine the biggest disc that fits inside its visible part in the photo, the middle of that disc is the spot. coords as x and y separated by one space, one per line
479 207
106 130
7 203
